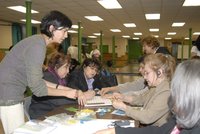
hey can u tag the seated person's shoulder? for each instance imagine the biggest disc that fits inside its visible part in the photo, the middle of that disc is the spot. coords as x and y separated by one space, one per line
75 73
163 50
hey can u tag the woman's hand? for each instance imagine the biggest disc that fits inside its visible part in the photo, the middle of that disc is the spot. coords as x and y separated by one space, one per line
81 98
89 94
108 96
103 91
106 131
119 105
72 93
118 96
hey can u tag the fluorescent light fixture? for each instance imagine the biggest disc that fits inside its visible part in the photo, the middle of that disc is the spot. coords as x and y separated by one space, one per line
92 36
191 3
196 33
72 31
129 24
32 21
21 9
156 36
110 4
126 36
115 30
168 38
94 18
153 29
136 38
186 38
137 33
155 16
171 33
97 34
75 26
178 24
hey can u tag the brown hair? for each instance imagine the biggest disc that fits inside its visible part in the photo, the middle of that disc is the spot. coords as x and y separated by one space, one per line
151 41
58 59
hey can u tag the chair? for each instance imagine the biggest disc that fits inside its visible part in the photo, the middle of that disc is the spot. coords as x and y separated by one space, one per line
27 102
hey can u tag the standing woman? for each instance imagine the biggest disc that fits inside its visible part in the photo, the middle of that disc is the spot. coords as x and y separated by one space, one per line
151 45
22 67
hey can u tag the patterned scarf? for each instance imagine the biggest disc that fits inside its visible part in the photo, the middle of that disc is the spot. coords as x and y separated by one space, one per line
61 81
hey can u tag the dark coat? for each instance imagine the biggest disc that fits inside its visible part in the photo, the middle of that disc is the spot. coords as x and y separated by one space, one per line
41 105
164 129
163 50
77 80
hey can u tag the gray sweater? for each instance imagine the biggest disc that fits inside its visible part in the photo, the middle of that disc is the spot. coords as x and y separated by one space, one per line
22 67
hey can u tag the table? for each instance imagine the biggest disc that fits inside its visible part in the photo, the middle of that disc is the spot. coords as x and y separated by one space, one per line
89 127
107 115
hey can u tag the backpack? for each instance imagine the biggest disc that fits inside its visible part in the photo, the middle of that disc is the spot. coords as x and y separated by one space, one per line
108 79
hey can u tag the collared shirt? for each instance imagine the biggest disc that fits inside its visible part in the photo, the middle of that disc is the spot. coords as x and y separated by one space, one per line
90 83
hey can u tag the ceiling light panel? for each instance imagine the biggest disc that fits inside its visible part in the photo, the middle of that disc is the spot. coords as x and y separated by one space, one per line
94 18
155 16
97 34
21 9
153 29
191 3
196 33
171 33
115 30
110 4
32 21
136 38
92 36
72 31
126 36
178 24
137 33
129 24
168 38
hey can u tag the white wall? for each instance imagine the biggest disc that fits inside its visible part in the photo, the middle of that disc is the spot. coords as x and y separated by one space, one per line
185 51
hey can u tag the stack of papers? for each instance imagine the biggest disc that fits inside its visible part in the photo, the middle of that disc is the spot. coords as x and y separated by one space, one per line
98 101
35 127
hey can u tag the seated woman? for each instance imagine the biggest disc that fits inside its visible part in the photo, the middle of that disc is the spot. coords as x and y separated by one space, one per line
154 110
86 79
184 102
58 68
138 85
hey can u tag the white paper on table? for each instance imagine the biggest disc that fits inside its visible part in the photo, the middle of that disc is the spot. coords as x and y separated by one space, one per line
88 127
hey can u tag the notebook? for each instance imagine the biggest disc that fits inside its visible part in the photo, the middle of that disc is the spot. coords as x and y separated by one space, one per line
98 101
